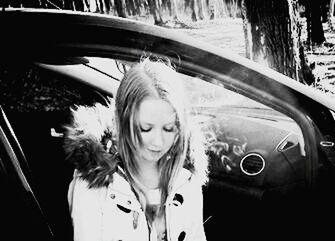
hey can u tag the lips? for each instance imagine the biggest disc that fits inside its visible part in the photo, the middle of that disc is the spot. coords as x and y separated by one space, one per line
155 153
152 155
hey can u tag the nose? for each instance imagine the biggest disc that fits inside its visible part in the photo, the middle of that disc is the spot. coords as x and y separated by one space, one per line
158 139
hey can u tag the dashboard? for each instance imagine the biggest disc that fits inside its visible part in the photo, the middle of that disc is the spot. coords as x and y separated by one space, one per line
253 151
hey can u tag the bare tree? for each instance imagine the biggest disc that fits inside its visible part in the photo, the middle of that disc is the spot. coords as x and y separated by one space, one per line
315 34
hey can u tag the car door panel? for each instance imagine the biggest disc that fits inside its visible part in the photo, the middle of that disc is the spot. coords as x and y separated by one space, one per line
21 216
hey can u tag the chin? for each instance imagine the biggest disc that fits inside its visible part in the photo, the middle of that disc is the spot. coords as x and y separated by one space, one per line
149 158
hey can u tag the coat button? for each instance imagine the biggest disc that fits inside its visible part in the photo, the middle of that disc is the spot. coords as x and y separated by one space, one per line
112 196
178 199
181 236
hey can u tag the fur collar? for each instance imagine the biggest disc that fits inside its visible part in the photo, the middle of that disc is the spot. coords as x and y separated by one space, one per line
90 145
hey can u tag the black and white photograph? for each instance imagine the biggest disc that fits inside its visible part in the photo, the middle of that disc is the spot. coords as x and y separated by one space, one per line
167 120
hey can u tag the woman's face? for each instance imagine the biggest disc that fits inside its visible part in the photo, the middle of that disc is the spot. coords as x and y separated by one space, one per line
157 120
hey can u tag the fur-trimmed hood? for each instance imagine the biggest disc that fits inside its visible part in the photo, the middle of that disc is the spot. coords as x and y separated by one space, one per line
90 144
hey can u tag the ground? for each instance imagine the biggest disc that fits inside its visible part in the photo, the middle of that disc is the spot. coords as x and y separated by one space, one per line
226 33
323 58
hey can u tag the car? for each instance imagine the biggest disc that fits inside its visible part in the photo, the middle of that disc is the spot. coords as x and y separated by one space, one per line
270 139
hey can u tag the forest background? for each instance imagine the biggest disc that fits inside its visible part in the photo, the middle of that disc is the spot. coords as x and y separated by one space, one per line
294 37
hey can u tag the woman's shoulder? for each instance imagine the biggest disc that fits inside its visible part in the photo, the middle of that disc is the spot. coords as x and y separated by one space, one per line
110 180
117 182
80 192
88 143
82 184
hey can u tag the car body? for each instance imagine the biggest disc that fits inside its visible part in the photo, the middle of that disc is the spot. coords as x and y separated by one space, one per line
270 139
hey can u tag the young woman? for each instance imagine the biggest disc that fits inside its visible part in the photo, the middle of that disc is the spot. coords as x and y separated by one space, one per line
147 184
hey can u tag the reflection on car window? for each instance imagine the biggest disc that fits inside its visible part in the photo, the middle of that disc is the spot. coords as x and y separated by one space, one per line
236 126
203 93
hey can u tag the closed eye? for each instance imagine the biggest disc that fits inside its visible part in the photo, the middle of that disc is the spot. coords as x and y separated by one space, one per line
170 129
145 129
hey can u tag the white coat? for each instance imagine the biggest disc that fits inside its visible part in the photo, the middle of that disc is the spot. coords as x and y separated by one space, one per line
113 213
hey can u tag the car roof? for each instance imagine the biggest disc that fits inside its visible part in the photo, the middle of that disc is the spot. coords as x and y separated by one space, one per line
42 28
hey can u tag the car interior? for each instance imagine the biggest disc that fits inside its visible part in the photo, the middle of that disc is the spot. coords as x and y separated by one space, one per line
37 122
237 182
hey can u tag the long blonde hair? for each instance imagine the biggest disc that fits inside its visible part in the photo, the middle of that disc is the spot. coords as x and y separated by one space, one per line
157 79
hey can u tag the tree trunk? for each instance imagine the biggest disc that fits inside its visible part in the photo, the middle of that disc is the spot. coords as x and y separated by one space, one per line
331 14
37 4
68 5
197 8
132 8
211 9
324 9
201 4
246 29
107 5
174 10
120 6
155 11
87 5
78 5
315 34
275 37
166 5
331 8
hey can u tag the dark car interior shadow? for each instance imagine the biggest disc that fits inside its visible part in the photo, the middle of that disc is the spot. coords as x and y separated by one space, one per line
37 104
51 174
300 215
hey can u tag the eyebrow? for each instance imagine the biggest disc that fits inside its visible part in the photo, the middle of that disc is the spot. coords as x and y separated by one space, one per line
174 121
151 124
